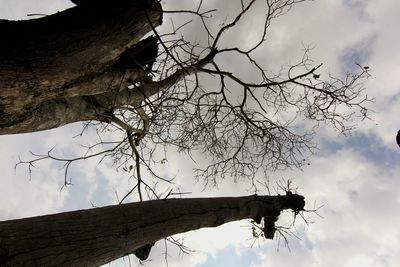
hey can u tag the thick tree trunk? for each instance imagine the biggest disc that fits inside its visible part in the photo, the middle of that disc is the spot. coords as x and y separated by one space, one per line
45 62
97 236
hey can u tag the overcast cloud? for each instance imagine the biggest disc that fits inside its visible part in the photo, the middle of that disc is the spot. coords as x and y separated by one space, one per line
356 177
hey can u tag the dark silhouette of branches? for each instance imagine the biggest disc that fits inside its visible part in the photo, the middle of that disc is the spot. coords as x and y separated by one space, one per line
269 228
192 101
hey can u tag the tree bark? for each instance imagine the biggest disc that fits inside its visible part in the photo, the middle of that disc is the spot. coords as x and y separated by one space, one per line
97 236
47 64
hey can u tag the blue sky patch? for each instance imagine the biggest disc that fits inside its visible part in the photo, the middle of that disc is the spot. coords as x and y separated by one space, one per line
359 53
229 257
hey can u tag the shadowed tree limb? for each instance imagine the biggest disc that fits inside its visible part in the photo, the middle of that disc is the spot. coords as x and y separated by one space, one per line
97 236
46 63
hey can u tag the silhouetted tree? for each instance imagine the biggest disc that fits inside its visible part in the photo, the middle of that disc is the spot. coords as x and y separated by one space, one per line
97 236
92 63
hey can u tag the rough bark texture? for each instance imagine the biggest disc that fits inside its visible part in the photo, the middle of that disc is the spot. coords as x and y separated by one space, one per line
48 64
97 236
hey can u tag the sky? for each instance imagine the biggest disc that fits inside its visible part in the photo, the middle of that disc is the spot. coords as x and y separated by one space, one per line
355 177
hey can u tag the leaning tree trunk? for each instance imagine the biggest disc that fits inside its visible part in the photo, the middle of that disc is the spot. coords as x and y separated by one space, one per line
97 236
48 64
64 68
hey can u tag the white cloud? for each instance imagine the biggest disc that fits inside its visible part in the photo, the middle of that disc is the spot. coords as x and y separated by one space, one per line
21 196
355 178
361 208
17 10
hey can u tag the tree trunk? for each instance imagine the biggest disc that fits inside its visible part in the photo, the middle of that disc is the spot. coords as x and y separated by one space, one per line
47 64
97 236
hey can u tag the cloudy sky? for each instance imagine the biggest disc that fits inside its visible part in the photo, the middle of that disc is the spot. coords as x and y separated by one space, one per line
355 177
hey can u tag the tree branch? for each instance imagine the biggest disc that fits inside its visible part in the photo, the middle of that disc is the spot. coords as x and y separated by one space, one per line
104 234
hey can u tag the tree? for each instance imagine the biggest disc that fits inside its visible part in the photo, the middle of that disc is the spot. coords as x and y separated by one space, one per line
60 61
88 63
97 236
